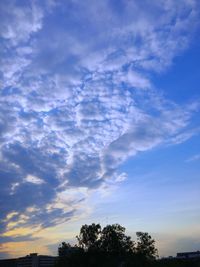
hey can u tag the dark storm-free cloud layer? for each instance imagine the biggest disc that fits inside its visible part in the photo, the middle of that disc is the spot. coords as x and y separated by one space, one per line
77 97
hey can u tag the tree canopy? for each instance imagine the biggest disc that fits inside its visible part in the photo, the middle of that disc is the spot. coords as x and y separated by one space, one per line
89 236
146 245
109 246
113 239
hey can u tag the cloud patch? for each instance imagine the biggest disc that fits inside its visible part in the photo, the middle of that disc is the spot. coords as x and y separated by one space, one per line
77 99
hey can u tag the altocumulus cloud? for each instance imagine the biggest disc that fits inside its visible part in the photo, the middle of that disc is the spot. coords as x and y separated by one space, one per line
77 99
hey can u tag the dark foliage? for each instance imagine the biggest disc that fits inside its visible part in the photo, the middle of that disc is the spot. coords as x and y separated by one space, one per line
107 247
89 237
146 246
178 263
114 240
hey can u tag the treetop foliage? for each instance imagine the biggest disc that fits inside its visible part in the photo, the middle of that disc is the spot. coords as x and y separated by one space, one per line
109 246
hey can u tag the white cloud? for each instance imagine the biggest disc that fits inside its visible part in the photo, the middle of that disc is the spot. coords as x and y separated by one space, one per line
19 22
184 136
137 80
33 179
73 98
122 177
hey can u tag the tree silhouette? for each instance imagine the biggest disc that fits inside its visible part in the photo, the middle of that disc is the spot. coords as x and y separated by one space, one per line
63 249
109 247
146 246
68 255
89 236
113 239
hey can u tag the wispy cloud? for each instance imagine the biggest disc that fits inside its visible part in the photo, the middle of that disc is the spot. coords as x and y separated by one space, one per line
194 158
77 98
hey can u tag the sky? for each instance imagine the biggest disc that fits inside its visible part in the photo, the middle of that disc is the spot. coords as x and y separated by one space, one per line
99 121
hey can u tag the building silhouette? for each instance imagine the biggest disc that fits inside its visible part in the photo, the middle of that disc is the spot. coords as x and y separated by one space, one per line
188 255
32 260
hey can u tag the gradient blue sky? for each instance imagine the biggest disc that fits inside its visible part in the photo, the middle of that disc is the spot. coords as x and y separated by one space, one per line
99 121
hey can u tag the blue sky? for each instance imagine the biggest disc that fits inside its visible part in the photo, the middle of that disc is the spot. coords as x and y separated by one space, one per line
99 121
